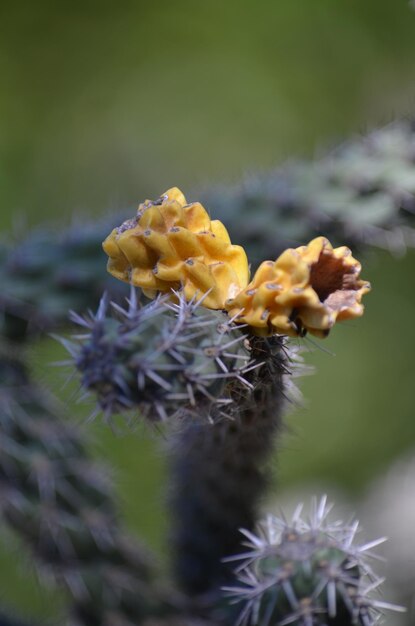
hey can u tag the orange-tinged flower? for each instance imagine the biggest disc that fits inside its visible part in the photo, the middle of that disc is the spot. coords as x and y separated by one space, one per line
174 245
306 289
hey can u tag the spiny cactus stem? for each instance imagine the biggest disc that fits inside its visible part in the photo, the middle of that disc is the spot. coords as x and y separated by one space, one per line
164 358
306 572
60 503
219 472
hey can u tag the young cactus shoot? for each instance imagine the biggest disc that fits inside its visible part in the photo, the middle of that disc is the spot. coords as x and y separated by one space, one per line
307 572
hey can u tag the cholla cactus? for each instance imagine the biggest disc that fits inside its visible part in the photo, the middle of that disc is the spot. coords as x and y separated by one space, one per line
61 505
48 273
164 359
222 386
182 366
172 243
305 290
362 194
307 572
220 471
226 391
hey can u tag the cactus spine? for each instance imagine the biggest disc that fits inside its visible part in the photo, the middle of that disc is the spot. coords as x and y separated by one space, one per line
164 359
307 573
220 473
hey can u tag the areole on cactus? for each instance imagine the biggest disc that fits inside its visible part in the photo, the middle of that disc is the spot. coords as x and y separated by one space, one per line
307 572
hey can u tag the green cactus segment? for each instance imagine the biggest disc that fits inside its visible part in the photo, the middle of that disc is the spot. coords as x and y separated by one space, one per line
361 195
48 273
164 359
60 504
307 573
219 472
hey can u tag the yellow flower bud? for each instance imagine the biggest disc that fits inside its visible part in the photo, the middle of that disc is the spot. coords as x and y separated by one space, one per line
172 245
306 289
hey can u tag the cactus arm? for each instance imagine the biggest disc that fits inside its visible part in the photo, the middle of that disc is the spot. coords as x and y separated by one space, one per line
60 503
308 572
48 273
361 195
164 359
222 391
219 473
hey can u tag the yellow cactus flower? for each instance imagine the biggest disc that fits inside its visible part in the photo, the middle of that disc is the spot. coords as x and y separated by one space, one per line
306 289
174 245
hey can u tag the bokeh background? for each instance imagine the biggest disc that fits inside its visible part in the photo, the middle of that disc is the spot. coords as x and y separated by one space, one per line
104 104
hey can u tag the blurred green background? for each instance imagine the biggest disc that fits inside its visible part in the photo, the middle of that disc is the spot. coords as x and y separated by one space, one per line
105 104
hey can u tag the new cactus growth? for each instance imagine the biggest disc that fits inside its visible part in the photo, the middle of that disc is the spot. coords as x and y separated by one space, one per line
164 359
307 572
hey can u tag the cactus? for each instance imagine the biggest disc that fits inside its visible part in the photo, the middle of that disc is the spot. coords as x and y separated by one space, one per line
220 474
48 273
146 358
164 359
222 388
361 195
160 365
307 573
61 505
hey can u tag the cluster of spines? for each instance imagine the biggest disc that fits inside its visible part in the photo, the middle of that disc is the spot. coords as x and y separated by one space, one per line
162 358
60 503
307 573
